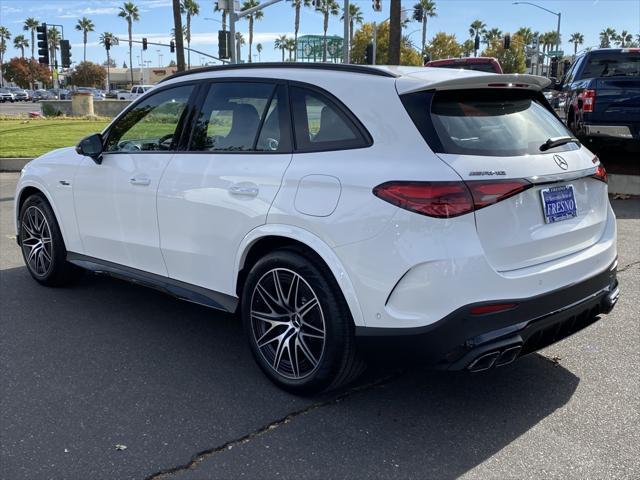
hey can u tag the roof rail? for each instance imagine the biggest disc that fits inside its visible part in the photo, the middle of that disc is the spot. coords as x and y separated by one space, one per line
340 67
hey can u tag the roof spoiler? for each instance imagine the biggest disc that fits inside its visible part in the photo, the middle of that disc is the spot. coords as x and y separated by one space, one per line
414 83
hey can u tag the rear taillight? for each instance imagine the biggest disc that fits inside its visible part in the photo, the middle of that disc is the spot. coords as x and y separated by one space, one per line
448 199
492 308
588 100
601 174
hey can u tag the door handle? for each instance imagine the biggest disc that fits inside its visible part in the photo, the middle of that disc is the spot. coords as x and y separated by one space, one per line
140 181
246 189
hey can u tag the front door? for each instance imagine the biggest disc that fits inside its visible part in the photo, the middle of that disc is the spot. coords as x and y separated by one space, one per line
115 201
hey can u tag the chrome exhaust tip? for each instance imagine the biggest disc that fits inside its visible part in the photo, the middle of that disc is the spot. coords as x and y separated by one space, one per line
610 300
508 356
483 362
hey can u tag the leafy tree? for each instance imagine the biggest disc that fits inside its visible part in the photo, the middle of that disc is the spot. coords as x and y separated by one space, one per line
512 60
297 5
87 74
444 45
477 28
25 72
20 42
428 10
364 36
191 9
251 18
30 25
281 44
355 17
468 47
526 34
607 36
577 39
172 63
131 14
85 26
329 7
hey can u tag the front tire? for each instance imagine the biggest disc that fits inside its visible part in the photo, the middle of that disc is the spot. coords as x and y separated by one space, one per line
298 324
42 245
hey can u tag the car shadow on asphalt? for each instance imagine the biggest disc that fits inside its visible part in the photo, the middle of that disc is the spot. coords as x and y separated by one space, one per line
107 362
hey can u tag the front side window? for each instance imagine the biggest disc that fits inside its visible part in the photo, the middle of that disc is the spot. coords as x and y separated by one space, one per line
320 124
151 124
242 117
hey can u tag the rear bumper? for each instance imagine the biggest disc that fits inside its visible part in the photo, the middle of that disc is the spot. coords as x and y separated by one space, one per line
621 132
464 341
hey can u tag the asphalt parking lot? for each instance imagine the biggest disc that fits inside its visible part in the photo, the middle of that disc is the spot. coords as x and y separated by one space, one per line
18 108
107 363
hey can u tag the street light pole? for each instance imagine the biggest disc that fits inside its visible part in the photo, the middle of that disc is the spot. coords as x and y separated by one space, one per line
557 14
345 43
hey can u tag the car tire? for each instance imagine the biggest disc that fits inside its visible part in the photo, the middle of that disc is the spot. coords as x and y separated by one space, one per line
299 329
42 244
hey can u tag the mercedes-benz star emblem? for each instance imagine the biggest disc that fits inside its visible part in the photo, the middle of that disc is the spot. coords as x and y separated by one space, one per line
561 162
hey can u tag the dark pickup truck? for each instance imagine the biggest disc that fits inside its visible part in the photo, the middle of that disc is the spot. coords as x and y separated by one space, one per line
602 96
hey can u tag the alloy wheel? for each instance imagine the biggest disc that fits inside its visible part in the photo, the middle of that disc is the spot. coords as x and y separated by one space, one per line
287 323
36 241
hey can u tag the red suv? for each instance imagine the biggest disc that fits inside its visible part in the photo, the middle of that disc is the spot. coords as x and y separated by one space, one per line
481 64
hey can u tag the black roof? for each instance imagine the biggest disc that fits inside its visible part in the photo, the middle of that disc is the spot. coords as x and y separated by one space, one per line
339 67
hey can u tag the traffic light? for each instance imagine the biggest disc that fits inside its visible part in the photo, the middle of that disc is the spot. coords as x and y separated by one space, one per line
144 43
418 13
507 41
476 43
426 59
368 54
65 53
554 67
43 44
172 46
224 41
377 5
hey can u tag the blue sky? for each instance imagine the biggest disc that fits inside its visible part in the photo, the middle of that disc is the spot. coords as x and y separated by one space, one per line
454 16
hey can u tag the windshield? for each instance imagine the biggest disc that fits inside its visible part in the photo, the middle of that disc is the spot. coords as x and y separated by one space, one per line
614 64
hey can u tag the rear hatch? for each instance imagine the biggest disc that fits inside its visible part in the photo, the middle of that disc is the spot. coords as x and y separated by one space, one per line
616 85
533 205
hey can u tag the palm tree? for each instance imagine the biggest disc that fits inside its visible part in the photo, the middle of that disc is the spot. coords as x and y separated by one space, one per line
251 18
20 42
112 40
5 35
224 15
606 36
173 33
623 39
259 50
191 8
30 25
239 42
428 10
290 45
131 14
297 5
329 7
355 17
53 37
85 26
477 28
525 34
577 39
281 44
491 36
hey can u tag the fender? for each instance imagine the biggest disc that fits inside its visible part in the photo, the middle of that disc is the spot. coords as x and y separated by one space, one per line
311 241
31 182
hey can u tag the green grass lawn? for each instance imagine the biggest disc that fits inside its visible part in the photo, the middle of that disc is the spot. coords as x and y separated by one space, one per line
33 137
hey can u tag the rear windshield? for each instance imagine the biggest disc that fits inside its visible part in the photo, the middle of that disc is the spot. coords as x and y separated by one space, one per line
485 122
614 64
478 67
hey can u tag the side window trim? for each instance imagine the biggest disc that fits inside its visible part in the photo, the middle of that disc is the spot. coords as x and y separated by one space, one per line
254 145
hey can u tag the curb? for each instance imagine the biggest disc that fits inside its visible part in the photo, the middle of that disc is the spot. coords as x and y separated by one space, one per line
13 164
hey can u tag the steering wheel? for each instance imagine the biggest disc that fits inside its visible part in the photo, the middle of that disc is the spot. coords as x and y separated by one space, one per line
272 144
129 146
164 142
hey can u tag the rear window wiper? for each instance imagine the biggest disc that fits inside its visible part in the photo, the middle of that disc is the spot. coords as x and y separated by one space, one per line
558 141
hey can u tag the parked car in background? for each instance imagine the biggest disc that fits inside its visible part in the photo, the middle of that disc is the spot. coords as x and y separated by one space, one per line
60 94
6 95
479 64
41 94
602 93
135 92
455 216
97 94
20 94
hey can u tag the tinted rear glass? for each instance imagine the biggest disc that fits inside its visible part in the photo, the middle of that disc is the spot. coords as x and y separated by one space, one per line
478 67
485 122
614 64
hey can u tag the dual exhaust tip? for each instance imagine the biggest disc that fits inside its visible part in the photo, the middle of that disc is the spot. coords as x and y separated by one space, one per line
497 358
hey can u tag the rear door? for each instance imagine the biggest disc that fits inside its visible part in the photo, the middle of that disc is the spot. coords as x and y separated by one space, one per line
215 193
493 136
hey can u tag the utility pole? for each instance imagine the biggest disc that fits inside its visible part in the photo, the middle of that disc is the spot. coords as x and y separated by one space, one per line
395 31
375 41
347 38
234 17
177 25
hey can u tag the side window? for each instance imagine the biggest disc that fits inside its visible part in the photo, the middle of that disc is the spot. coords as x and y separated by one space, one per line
320 124
242 117
152 123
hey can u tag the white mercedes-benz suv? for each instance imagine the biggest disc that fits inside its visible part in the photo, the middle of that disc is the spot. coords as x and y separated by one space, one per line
339 209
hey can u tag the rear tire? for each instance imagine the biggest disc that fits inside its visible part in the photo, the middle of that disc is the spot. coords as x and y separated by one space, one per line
42 245
298 325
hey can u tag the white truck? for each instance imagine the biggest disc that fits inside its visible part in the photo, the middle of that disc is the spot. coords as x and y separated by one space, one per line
135 92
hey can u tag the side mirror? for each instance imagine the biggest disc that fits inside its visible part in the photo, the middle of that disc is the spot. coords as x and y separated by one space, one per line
91 146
